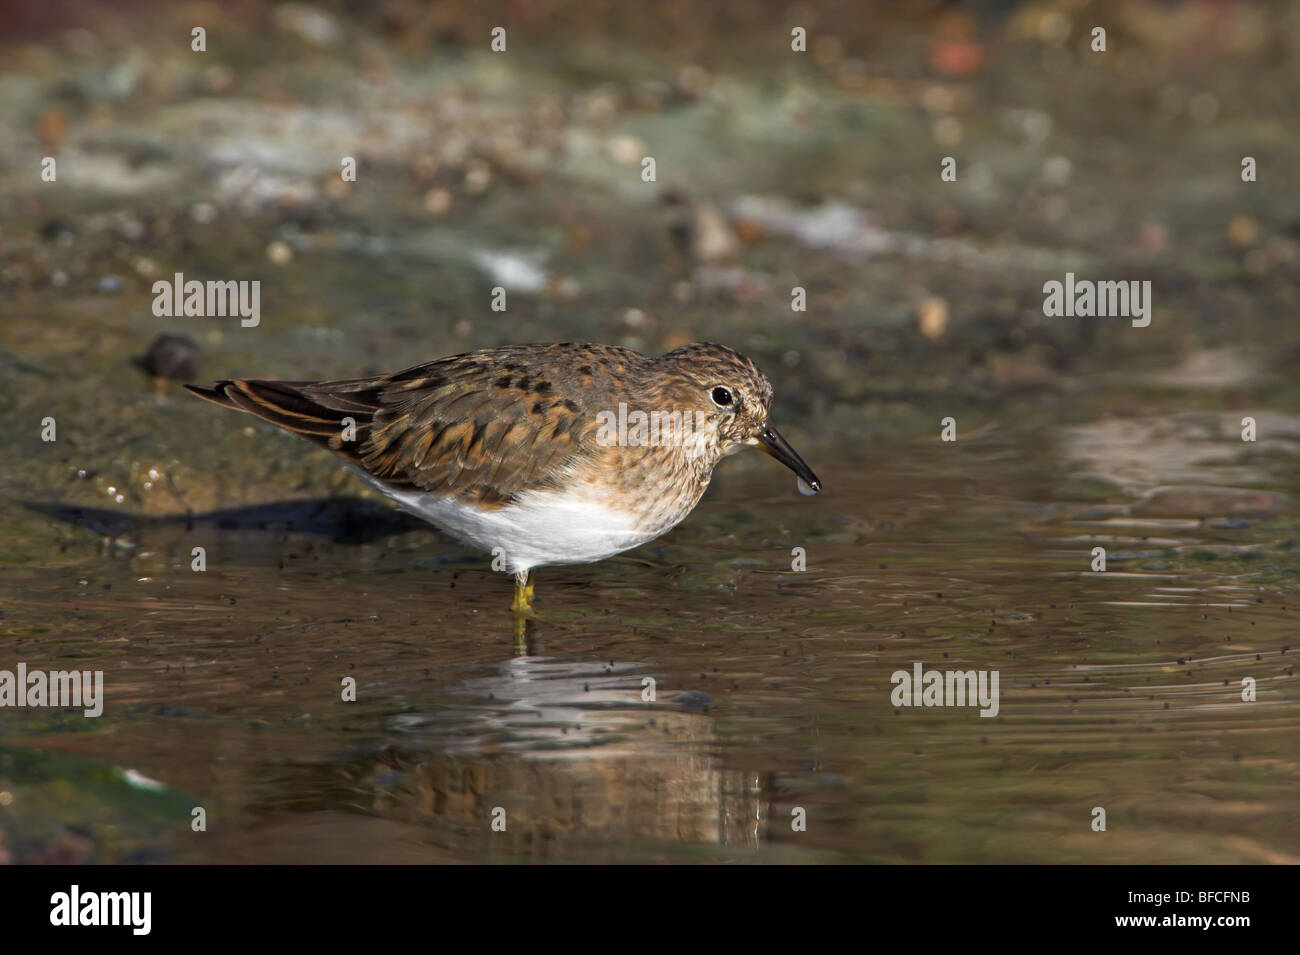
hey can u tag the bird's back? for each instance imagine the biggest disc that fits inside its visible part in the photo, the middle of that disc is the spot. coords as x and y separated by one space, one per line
482 427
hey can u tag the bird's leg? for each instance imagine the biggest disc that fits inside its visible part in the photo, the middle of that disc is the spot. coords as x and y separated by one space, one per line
523 602
522 611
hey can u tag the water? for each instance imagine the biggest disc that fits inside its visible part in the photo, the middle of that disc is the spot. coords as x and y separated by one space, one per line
1119 689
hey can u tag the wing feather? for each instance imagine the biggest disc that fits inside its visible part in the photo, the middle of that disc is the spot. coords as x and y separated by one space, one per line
483 427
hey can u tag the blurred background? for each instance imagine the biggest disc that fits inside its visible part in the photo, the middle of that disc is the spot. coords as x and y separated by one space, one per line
522 169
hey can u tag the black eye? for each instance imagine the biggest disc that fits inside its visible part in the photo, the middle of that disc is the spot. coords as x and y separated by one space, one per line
721 397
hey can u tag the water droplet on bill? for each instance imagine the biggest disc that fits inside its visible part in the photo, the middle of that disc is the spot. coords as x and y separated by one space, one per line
804 488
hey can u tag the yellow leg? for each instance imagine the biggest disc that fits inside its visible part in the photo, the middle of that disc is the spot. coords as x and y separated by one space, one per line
522 611
523 602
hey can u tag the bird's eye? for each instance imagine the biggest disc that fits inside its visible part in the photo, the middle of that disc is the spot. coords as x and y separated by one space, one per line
721 397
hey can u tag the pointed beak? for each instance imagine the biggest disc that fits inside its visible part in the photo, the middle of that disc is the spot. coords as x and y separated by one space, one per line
777 447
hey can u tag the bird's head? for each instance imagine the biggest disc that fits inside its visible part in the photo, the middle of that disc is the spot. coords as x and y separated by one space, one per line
731 401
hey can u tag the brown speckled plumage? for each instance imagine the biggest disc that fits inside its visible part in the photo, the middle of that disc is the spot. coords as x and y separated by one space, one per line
488 427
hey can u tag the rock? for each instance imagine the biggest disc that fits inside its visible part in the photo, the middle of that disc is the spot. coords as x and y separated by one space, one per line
171 356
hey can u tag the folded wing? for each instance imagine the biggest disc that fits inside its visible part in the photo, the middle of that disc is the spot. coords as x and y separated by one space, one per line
475 427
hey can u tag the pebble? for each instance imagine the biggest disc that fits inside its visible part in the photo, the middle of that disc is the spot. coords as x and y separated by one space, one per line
279 253
437 202
932 317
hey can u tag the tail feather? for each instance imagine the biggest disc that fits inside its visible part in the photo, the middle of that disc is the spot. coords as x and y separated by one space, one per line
282 404
216 395
289 405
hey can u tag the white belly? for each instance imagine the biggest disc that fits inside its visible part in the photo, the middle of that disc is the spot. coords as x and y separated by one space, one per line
573 526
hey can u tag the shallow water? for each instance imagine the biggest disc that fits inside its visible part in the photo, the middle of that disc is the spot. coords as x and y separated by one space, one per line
1119 689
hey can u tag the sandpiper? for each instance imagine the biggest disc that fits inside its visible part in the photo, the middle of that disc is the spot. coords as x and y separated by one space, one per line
538 454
